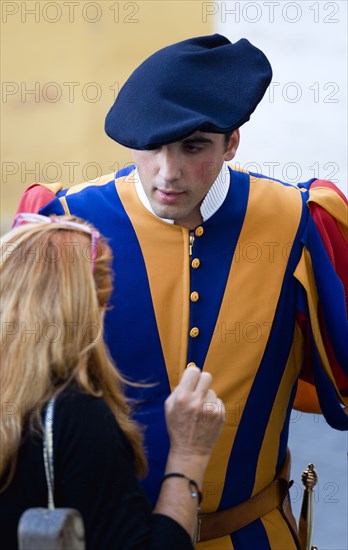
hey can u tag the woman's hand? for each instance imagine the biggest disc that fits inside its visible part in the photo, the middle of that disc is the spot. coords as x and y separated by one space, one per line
194 417
194 414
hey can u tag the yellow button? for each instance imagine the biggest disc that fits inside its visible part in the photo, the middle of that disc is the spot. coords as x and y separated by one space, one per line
192 364
195 263
194 296
199 231
194 332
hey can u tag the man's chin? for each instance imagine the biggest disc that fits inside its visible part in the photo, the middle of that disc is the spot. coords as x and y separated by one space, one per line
166 212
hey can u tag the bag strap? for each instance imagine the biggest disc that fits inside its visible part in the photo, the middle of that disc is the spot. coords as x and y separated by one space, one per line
48 451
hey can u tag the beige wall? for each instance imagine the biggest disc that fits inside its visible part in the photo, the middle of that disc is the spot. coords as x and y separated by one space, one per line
62 64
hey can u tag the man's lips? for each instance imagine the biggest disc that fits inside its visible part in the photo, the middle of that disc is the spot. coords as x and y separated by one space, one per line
168 197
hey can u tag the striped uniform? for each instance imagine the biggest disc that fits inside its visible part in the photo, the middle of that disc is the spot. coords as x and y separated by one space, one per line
255 301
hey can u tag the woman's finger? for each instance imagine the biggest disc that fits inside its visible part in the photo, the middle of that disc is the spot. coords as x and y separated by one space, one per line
210 396
204 383
190 378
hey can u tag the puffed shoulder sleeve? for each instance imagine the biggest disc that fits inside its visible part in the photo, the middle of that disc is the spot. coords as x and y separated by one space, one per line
37 196
51 198
322 308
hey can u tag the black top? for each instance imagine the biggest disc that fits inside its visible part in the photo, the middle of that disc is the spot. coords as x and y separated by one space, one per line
94 473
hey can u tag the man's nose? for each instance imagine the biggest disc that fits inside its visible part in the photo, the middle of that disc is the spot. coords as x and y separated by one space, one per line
169 165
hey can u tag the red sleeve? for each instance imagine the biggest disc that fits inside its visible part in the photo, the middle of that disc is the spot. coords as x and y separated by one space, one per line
34 198
335 242
331 233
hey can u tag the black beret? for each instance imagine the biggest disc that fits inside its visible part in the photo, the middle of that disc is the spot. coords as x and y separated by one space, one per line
204 83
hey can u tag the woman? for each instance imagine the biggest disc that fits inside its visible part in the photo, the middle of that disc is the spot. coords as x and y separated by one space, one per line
56 282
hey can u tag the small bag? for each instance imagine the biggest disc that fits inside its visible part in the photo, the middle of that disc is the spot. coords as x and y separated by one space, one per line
50 528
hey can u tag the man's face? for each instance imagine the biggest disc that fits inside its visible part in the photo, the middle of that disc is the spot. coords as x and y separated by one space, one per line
176 177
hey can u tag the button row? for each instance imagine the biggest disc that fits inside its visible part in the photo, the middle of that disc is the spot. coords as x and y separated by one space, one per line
194 296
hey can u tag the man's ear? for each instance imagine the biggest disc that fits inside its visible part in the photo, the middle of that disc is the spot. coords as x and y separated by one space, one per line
232 145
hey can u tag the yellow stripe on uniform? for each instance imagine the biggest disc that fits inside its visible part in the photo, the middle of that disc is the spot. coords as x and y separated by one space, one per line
331 201
279 538
169 282
306 399
98 181
54 187
266 469
247 311
64 204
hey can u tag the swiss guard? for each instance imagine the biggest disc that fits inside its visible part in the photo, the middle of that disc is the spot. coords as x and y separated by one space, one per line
248 285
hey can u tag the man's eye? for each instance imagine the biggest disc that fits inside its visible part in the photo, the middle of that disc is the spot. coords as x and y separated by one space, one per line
193 148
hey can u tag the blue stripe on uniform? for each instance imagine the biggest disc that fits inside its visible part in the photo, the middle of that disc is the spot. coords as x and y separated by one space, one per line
133 340
329 404
241 469
252 536
215 249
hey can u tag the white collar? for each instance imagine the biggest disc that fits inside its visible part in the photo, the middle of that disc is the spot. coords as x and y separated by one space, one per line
211 203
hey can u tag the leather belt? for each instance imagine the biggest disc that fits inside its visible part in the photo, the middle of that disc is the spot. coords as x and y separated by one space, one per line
224 522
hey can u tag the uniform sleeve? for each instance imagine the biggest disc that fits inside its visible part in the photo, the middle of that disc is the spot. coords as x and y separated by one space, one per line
322 306
37 196
94 474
